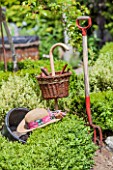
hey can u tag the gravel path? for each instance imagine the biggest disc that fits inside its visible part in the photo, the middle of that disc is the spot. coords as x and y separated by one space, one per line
103 159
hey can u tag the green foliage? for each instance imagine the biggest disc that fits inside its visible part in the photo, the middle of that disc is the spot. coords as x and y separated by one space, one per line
4 76
21 86
30 66
107 14
101 14
9 66
21 89
93 50
45 19
102 109
37 64
18 92
101 74
63 145
34 64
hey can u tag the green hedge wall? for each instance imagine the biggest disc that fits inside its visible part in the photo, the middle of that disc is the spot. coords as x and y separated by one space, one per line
21 89
101 108
101 74
101 103
64 145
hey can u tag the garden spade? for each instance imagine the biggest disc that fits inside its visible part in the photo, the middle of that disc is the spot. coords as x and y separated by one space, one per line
86 77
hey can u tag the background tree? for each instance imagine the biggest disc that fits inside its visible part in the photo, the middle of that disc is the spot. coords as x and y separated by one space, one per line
100 11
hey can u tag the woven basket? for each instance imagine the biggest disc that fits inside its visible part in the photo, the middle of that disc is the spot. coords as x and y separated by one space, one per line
56 84
54 87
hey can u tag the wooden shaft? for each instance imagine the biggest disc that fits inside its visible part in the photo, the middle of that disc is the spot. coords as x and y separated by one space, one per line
52 63
85 63
63 70
56 104
1 15
44 71
4 51
51 55
86 79
14 57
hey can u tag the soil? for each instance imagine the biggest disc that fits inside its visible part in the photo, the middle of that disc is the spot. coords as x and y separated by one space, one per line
103 159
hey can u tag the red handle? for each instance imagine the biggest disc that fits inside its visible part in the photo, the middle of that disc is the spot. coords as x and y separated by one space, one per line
84 29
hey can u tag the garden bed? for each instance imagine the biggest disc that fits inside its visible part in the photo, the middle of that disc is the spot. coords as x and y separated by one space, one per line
18 88
103 160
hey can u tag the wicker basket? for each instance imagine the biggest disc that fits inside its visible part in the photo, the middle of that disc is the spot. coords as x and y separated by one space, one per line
54 87
56 84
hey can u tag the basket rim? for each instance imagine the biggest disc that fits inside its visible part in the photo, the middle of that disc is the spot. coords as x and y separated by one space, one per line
56 75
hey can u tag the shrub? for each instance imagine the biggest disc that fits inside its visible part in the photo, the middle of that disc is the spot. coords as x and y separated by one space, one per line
9 66
102 109
63 145
32 67
53 147
4 76
33 64
101 74
21 89
22 86
18 92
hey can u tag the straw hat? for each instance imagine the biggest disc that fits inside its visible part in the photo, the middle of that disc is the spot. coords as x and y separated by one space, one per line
37 118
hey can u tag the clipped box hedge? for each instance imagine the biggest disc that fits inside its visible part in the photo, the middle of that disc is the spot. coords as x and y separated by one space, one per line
21 89
101 108
101 74
17 92
62 145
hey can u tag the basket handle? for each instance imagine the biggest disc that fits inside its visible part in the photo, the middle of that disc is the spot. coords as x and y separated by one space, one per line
51 55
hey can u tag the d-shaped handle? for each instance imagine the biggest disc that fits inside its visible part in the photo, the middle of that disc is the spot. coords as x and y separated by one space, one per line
84 29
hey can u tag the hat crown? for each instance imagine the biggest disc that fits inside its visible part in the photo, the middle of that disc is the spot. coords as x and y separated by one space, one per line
32 117
36 114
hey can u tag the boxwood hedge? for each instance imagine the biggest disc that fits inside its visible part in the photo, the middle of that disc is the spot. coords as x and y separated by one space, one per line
101 108
17 92
63 145
101 74
21 89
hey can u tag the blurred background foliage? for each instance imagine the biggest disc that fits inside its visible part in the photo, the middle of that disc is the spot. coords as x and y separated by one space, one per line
45 19
51 19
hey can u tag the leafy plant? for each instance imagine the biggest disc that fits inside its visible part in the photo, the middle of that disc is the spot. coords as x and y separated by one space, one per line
30 66
18 92
93 49
47 19
102 109
63 145
4 76
17 89
101 74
